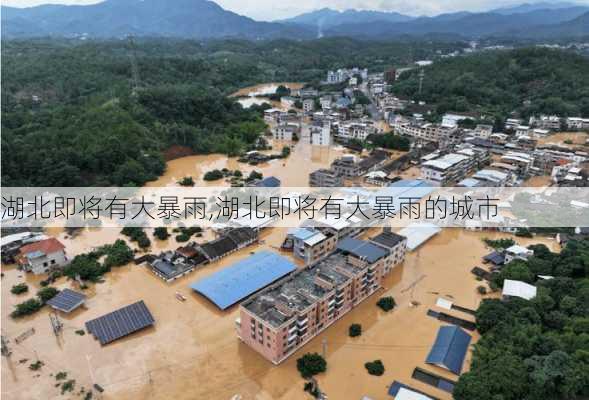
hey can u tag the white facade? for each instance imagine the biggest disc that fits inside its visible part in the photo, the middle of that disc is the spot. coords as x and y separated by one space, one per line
321 135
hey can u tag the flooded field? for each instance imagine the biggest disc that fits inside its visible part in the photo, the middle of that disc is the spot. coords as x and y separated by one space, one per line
292 171
251 95
538 181
192 352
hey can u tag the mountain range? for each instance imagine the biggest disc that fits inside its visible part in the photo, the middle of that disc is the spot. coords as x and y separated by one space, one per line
205 19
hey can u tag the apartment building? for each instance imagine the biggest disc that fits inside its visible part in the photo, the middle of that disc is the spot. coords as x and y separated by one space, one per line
551 122
446 170
285 131
355 129
311 245
577 124
395 244
321 134
325 178
308 105
284 317
428 132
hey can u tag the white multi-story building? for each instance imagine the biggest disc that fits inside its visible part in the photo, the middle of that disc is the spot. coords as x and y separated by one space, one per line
321 134
577 124
308 105
42 256
551 122
359 129
445 170
285 131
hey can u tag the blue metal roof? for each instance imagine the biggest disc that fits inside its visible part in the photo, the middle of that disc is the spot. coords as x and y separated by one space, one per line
302 233
232 284
450 348
270 181
363 249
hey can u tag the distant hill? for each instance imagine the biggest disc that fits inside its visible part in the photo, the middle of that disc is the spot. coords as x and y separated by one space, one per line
527 7
465 24
115 18
327 17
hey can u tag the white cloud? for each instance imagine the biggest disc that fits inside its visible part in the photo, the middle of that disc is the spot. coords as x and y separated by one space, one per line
272 9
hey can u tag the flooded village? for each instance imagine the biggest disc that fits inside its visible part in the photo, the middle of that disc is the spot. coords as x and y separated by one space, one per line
193 350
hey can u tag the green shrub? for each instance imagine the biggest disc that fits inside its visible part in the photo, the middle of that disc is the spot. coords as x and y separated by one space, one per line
311 364
375 367
28 307
355 330
213 175
19 288
186 181
386 303
47 293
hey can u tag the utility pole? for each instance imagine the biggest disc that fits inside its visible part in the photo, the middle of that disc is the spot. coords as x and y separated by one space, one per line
134 67
5 349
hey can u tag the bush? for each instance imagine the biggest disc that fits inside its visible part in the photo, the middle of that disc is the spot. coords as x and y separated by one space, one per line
186 181
523 232
161 233
386 303
355 330
482 290
213 175
254 175
118 253
47 293
311 364
28 307
138 235
19 288
499 243
36 365
375 367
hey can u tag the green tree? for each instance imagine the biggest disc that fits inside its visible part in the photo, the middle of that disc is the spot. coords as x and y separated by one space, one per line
311 364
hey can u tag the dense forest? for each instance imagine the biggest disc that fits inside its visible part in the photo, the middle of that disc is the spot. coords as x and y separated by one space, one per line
87 126
525 81
536 349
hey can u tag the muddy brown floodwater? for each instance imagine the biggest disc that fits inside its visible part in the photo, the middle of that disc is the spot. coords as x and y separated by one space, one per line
192 352
251 95
292 171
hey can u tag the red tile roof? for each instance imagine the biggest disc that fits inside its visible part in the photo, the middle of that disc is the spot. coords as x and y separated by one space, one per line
46 246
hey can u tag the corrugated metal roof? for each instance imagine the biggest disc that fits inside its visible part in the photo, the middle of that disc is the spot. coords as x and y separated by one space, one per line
450 348
232 284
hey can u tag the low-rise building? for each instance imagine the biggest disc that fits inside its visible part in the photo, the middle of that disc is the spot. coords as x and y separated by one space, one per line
42 256
355 129
577 124
551 122
517 252
272 114
325 178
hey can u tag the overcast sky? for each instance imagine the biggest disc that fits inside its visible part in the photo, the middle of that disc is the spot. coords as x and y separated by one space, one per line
277 9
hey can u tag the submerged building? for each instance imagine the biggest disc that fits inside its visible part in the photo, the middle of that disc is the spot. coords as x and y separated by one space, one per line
281 319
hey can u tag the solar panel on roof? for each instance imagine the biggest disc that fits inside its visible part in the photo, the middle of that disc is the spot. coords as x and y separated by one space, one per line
120 323
67 300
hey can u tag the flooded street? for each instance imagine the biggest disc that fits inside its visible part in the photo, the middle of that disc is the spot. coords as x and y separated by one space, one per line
192 352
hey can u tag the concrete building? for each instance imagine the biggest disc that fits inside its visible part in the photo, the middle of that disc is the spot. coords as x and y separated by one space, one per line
551 122
42 256
284 317
321 134
445 170
577 124
482 131
285 131
395 244
346 166
428 132
355 129
451 120
271 114
325 178
308 105
310 245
